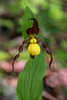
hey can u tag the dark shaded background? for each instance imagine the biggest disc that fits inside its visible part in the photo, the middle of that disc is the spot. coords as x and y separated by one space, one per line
52 18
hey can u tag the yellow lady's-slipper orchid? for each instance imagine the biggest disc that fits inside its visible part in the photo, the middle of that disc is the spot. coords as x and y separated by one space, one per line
32 43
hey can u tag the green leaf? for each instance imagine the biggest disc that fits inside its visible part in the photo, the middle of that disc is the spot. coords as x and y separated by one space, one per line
25 22
30 85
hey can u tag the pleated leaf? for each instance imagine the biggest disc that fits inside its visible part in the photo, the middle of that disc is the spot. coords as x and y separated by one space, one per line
30 88
25 22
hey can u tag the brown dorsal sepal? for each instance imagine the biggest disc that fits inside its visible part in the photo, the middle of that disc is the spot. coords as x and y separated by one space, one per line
34 30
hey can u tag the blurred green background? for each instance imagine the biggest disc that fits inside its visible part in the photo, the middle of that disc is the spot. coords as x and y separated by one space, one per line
52 20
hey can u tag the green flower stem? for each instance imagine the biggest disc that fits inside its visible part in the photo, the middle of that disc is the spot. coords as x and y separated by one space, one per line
29 78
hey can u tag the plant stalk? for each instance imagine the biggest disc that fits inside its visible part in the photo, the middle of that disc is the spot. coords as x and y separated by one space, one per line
29 78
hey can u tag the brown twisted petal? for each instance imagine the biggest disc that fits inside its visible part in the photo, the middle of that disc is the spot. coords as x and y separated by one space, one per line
34 30
47 50
17 56
20 50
